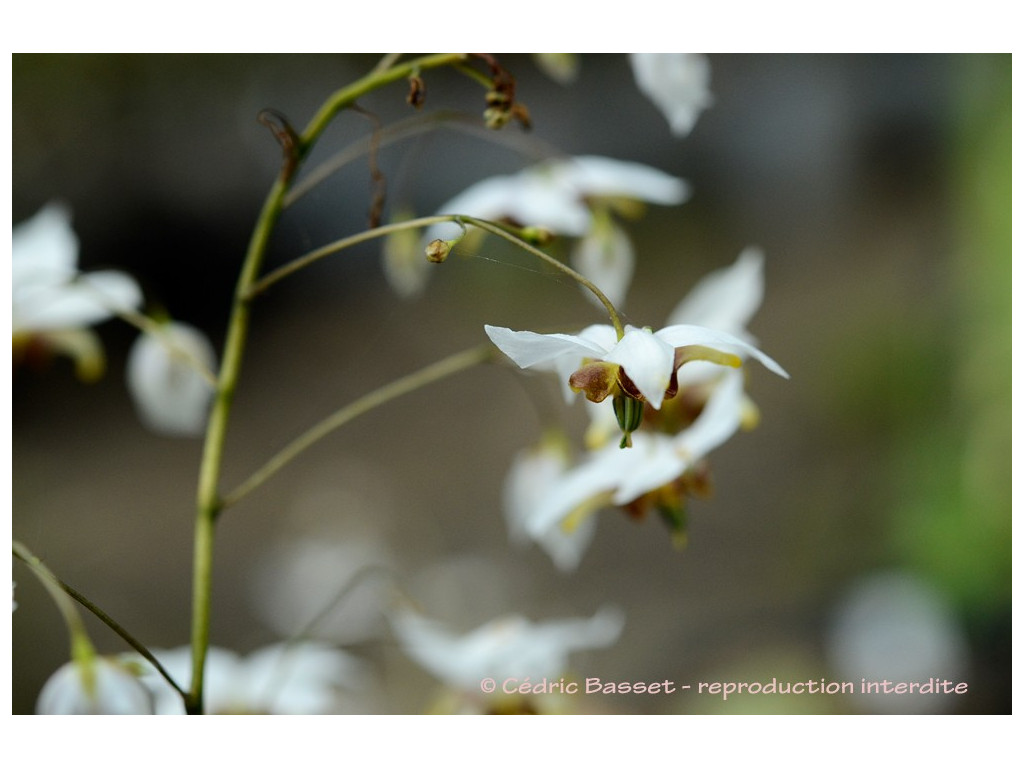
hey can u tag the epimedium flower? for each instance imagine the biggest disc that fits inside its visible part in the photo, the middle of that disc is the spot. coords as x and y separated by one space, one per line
573 197
655 472
677 83
535 472
510 647
640 367
303 678
169 375
94 686
52 302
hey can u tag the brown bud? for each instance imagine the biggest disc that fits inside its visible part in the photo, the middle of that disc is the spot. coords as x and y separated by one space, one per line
437 251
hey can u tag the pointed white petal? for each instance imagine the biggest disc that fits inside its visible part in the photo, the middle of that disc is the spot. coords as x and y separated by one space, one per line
596 176
727 298
647 360
528 349
677 83
684 335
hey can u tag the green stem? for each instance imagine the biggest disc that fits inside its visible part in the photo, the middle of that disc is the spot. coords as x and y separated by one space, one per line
428 375
339 245
344 97
76 628
208 502
501 232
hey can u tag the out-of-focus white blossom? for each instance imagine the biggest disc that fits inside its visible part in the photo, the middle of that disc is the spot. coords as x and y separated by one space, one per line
52 303
304 678
167 382
677 83
893 626
554 194
535 472
97 686
337 583
509 647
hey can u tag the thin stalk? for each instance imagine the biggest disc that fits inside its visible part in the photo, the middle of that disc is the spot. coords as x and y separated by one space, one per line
339 245
501 232
421 378
208 500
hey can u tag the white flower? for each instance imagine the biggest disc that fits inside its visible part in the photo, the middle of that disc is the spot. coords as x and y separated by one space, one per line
615 477
647 358
553 194
534 473
677 83
51 301
509 647
168 376
99 686
304 678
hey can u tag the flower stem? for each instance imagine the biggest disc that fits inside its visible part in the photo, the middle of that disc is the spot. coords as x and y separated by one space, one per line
23 554
501 232
338 245
208 502
428 375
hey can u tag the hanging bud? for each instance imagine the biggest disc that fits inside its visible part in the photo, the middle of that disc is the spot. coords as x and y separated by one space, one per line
437 251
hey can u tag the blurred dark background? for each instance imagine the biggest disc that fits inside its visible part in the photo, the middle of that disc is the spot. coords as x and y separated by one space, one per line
879 188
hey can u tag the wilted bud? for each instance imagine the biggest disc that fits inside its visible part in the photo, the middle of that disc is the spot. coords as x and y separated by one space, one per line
417 91
437 251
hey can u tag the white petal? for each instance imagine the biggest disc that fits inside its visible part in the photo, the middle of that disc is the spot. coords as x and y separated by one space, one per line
297 679
115 691
595 176
530 198
654 461
509 647
605 257
677 83
528 349
172 397
719 419
647 360
44 248
533 473
685 335
727 298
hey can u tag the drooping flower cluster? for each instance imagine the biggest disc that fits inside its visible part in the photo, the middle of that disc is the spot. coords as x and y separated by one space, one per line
676 395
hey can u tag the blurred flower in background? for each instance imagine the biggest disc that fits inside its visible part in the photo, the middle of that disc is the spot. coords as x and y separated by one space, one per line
98 686
477 666
170 374
52 302
892 626
299 678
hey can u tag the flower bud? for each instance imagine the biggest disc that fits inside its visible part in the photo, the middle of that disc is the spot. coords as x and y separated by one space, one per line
437 251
